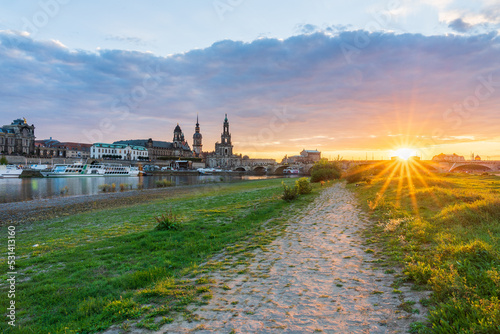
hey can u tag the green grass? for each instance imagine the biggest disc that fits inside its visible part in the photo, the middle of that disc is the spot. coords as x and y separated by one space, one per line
445 230
85 272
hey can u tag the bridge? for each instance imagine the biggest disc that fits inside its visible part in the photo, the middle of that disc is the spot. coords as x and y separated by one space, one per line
491 166
275 169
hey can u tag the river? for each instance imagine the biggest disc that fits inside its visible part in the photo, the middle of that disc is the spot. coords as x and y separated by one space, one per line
17 190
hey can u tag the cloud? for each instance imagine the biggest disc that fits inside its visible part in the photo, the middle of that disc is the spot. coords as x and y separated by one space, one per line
460 26
332 91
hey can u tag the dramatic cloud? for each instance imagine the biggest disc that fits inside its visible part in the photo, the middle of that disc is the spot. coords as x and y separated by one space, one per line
350 91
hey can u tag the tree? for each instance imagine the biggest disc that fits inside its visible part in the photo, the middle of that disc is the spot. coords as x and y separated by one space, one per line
3 160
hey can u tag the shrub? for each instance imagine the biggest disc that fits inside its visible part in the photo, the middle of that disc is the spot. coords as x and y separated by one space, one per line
106 187
164 183
303 186
167 221
3 161
355 174
289 193
324 170
125 186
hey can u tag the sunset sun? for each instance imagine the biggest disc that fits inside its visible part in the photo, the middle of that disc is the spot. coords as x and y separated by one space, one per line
405 153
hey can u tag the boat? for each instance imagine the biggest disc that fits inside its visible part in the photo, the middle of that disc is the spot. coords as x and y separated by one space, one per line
209 171
8 171
92 170
291 171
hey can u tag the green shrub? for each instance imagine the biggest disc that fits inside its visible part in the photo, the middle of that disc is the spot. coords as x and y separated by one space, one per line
303 186
167 221
3 160
324 170
289 193
355 174
164 183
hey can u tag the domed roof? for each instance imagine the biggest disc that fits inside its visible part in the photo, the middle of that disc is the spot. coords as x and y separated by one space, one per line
177 128
197 135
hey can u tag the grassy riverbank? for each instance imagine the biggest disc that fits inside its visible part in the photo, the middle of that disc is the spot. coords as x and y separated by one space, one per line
445 230
83 272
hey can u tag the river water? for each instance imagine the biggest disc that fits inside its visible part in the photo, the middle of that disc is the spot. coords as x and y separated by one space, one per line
17 190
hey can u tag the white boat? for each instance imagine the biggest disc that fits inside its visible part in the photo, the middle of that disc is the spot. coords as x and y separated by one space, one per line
95 170
7 171
290 171
208 171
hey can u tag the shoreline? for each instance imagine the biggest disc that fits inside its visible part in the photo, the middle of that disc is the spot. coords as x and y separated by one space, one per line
48 208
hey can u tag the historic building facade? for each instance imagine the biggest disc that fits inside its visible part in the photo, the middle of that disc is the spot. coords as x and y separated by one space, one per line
18 138
223 156
197 139
118 151
178 148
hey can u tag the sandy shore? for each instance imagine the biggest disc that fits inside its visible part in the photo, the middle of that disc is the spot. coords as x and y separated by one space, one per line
316 277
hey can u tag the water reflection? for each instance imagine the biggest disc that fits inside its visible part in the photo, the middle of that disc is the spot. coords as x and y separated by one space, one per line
16 190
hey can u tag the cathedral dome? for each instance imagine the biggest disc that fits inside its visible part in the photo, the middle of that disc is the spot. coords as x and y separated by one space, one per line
197 135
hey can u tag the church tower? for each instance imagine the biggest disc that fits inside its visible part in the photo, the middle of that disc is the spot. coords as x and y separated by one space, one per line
225 148
178 136
197 139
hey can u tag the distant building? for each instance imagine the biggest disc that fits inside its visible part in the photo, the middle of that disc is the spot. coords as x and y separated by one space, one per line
49 148
306 156
52 148
178 148
448 158
18 138
77 150
223 156
477 158
118 151
197 139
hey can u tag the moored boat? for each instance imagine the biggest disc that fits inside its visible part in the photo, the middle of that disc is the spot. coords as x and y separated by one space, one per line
92 170
8 171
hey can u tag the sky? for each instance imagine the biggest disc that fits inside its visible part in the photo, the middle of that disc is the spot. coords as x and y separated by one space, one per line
356 79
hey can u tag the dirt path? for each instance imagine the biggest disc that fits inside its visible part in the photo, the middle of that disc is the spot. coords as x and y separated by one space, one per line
317 277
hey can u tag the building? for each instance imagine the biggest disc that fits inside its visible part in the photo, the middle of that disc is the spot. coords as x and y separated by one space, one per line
118 151
18 138
77 150
197 139
448 158
223 156
157 149
306 156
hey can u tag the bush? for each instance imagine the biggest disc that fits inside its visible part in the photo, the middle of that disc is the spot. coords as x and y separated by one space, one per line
324 170
289 193
303 186
355 174
164 183
167 221
3 161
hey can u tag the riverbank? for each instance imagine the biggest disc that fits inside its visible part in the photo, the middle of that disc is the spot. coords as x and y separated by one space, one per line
82 272
34 210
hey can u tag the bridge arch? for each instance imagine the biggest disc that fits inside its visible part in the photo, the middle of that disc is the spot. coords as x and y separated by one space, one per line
240 169
259 170
279 170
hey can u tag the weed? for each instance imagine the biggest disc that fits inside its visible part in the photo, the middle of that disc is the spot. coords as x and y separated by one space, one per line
167 221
